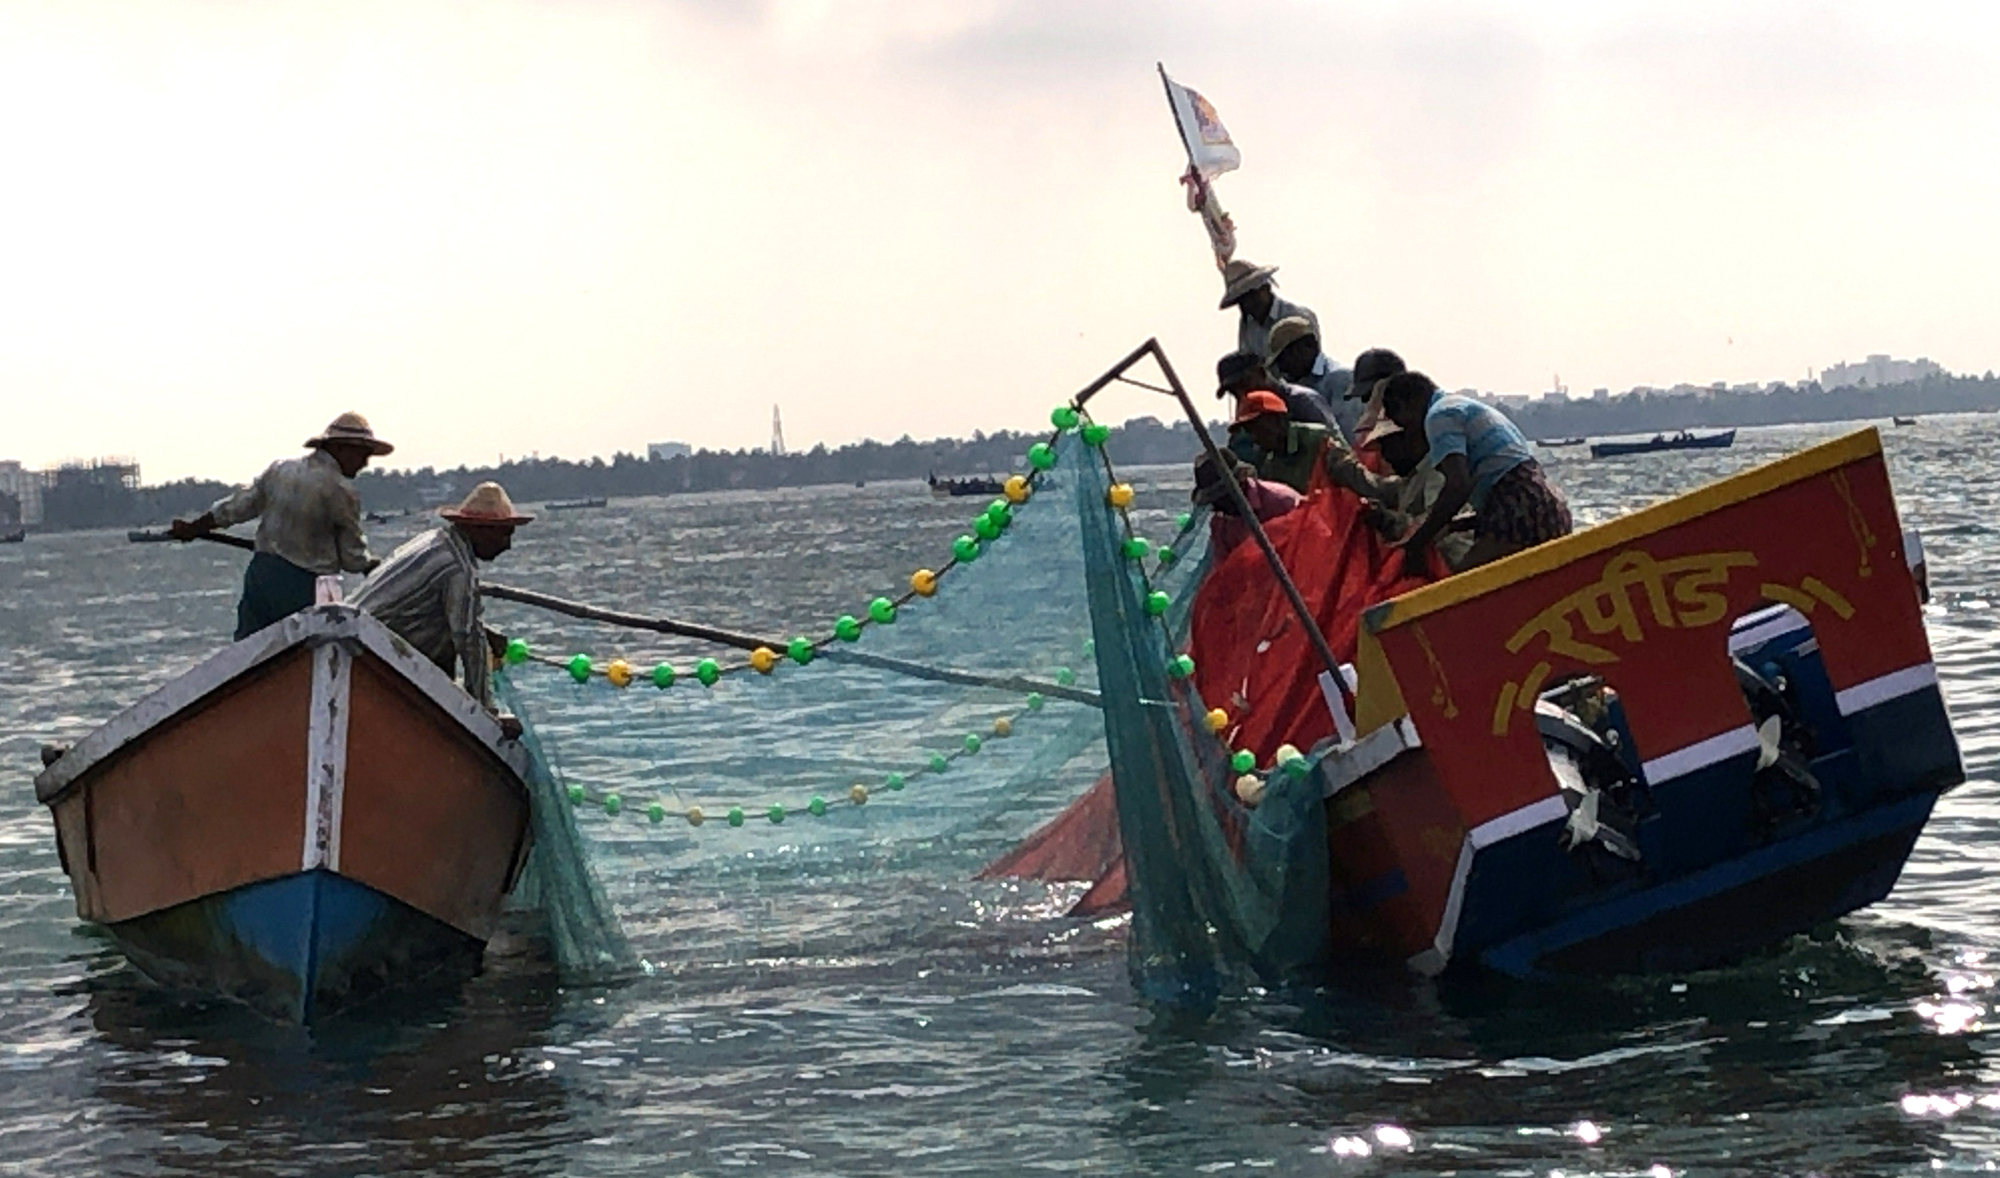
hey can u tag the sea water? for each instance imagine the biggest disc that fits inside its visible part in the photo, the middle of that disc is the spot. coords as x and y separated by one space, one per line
842 997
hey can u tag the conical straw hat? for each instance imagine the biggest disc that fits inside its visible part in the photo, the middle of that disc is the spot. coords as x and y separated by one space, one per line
351 427
1239 278
488 504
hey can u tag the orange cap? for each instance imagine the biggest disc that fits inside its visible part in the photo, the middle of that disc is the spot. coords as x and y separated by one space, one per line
1259 403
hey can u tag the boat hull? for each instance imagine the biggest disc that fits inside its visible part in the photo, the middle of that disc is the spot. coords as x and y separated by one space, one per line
297 948
312 816
1721 441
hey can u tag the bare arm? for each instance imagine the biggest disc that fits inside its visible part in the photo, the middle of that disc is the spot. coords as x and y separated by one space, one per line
468 636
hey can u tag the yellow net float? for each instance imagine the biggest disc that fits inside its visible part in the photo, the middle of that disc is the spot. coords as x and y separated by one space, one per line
619 672
923 583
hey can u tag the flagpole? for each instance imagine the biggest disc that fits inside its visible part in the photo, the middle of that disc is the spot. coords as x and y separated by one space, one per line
1216 223
1167 87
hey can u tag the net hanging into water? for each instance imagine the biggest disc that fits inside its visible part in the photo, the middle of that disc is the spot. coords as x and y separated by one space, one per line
761 764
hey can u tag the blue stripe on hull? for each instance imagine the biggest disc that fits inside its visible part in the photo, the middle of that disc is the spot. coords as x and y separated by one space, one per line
300 947
1719 913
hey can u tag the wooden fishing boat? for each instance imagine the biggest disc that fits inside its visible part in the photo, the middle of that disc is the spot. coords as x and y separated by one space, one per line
1680 441
1557 443
312 816
1905 420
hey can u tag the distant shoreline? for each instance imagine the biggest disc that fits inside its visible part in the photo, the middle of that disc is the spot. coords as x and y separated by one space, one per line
1140 442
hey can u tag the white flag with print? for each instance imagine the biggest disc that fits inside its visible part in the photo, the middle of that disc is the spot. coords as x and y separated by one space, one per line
1209 147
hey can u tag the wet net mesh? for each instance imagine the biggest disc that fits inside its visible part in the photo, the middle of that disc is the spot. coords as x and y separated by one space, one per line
1074 618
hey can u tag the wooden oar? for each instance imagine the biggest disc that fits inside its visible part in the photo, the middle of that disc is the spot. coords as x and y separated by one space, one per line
243 542
741 641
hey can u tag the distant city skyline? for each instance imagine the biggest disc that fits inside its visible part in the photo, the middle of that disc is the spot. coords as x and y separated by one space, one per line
577 228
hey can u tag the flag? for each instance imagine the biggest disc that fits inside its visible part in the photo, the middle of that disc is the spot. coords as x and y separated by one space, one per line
1209 148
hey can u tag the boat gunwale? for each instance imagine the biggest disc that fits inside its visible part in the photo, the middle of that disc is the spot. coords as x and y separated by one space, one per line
309 628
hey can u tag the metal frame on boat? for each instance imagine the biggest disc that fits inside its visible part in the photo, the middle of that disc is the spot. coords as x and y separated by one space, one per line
312 815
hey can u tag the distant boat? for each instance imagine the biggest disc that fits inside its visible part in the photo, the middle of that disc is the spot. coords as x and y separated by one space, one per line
311 816
950 488
1680 441
575 504
1905 420
14 537
1553 442
381 517
148 536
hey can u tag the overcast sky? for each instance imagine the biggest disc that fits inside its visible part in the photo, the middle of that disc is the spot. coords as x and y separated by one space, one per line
578 227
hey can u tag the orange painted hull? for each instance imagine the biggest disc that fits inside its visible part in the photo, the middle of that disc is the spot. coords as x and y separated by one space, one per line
313 814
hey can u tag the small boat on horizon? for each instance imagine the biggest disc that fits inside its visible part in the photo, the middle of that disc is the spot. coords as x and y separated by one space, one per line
1684 440
952 488
1554 442
309 818
576 504
14 537
1904 420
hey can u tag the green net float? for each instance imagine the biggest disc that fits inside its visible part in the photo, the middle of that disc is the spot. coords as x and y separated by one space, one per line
1096 434
1137 549
1090 648
1243 760
612 804
939 762
1157 603
517 652
817 806
972 742
893 781
1065 677
1298 767
735 815
966 549
663 675
575 795
579 667
1181 667
1063 417
1183 520
800 650
707 671
847 628
656 813
1001 514
1041 456
1034 701
776 813
984 527
882 612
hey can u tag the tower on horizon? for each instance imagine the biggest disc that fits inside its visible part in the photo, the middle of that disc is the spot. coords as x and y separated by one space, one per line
777 433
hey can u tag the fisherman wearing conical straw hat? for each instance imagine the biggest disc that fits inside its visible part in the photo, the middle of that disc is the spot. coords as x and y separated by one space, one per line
1246 286
308 522
428 590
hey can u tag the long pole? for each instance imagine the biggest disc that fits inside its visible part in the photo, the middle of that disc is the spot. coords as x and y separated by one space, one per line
741 641
1249 517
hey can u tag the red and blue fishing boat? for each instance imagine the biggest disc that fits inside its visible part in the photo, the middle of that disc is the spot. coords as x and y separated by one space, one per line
1656 744
311 817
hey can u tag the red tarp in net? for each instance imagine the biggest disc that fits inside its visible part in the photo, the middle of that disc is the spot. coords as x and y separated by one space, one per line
1252 659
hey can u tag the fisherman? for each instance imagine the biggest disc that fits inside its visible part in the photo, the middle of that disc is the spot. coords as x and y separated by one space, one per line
1267 500
428 590
1297 359
1486 462
1372 370
1247 287
1415 487
308 522
1240 373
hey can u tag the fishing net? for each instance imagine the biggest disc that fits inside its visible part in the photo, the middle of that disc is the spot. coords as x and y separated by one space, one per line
1048 654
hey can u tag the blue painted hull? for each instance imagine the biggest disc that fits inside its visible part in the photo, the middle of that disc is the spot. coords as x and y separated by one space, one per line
298 948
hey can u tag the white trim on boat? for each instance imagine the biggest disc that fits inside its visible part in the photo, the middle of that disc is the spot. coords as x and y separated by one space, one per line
326 754
1765 624
1528 817
1700 755
1539 812
1883 688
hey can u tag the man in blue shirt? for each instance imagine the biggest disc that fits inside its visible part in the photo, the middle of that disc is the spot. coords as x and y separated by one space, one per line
1486 462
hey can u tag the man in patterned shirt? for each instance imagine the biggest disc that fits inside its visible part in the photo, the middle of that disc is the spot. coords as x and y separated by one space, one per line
308 522
428 590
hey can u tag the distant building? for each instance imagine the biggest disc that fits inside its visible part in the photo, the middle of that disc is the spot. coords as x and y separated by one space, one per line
1876 371
24 487
661 451
99 493
1600 394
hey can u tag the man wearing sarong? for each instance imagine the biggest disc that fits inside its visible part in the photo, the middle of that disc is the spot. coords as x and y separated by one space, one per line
1246 286
308 522
1486 462
1416 487
1297 359
428 590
